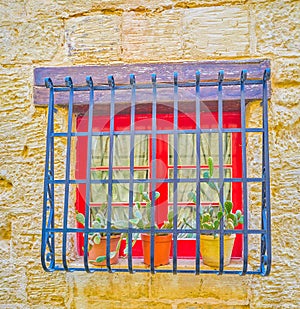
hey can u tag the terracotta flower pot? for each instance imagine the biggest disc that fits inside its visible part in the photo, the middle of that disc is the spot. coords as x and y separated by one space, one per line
100 250
162 247
210 249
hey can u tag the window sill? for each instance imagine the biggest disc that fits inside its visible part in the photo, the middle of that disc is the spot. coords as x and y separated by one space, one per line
183 266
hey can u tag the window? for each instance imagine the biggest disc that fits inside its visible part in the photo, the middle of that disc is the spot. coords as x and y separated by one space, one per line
157 136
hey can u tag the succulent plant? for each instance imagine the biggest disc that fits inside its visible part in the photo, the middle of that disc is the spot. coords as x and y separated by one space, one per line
100 222
210 216
142 220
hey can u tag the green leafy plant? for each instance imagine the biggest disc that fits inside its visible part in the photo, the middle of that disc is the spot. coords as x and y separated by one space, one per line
100 222
142 215
210 216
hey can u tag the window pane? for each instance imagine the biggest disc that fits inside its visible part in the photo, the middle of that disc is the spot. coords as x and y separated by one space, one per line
183 188
100 151
185 141
209 144
99 191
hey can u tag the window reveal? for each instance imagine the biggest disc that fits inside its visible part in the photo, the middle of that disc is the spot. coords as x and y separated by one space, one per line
177 170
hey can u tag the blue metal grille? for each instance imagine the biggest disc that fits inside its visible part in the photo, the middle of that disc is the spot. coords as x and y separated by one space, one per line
50 232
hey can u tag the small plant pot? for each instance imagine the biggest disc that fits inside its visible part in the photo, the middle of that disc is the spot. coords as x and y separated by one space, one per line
99 250
210 249
162 247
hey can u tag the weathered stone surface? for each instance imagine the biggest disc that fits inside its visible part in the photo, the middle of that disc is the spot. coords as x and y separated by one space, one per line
152 37
94 38
277 27
39 33
213 32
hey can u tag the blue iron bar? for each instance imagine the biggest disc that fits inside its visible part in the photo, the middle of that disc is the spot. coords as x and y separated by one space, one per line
244 172
169 180
90 84
48 187
131 182
69 84
221 171
162 231
111 83
198 172
153 178
175 174
266 254
145 270
148 132
161 85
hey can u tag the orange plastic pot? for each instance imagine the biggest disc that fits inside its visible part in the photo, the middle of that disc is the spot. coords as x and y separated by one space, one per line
210 249
162 247
100 250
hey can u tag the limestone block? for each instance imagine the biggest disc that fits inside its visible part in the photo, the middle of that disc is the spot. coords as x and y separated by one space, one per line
12 283
286 70
95 302
93 38
154 37
277 27
30 40
46 290
216 31
117 287
192 287
288 96
12 11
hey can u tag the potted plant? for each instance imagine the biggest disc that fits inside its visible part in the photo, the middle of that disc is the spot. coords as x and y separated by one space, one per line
211 219
97 240
162 241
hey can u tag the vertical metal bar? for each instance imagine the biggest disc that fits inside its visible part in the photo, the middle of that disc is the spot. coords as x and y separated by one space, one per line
175 173
153 167
48 193
89 82
69 83
266 254
131 181
198 171
244 171
111 83
221 172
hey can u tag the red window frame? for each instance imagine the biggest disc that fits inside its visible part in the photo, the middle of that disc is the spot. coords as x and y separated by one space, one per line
186 247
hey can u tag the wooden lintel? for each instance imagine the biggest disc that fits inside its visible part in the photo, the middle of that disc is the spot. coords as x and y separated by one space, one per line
186 71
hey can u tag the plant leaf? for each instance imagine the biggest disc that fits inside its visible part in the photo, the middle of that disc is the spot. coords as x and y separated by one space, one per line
170 216
210 166
100 259
96 225
228 206
80 218
220 215
97 239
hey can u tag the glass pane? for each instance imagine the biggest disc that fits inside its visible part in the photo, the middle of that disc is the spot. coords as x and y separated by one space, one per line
207 194
121 150
183 188
210 148
100 151
141 150
98 191
185 141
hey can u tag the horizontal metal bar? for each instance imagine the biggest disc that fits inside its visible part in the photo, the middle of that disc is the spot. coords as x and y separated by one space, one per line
157 270
158 180
167 132
156 232
158 85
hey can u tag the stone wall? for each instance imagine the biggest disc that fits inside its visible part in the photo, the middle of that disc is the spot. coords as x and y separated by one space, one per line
37 33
